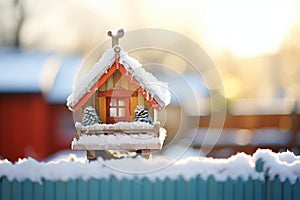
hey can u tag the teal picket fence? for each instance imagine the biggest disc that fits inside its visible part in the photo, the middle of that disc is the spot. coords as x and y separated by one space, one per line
146 189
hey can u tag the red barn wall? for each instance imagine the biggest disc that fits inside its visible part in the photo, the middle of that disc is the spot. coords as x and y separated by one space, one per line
30 126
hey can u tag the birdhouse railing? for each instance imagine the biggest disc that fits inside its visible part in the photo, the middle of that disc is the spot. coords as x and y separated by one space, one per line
118 128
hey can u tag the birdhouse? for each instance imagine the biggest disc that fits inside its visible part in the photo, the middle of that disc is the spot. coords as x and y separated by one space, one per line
115 105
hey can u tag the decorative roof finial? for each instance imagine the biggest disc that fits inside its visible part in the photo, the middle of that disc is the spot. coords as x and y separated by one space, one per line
115 36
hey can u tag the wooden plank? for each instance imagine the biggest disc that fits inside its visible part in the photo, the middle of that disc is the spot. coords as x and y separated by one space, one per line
191 189
158 190
82 189
49 190
120 131
71 190
27 190
96 100
146 189
110 83
169 186
268 189
103 87
212 188
122 82
137 189
296 190
60 190
102 109
259 189
238 189
133 105
140 99
202 188
6 188
116 79
126 189
16 189
249 189
115 193
220 190
180 188
228 189
105 189
287 190
276 189
93 189
38 191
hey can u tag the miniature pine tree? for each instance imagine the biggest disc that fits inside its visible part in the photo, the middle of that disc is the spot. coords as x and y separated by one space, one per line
142 115
90 116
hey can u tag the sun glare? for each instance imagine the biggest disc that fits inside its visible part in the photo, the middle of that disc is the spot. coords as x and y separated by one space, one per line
247 28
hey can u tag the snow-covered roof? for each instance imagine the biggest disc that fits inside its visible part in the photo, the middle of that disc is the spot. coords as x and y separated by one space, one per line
158 90
24 71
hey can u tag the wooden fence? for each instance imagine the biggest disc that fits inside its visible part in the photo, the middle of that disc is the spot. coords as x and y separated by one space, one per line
143 188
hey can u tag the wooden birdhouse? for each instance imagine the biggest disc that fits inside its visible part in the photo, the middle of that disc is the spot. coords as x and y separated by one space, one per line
115 105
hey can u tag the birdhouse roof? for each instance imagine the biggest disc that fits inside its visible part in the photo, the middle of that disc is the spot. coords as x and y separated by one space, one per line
155 91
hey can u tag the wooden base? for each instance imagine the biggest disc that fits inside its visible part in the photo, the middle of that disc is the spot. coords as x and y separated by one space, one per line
144 153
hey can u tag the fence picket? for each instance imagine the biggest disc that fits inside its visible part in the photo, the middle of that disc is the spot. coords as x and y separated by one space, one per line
136 188
296 190
180 188
27 187
169 189
276 189
158 190
238 189
126 189
38 191
71 190
228 189
60 190
49 190
249 189
82 191
212 188
16 189
202 188
191 189
6 188
105 189
286 190
93 189
114 189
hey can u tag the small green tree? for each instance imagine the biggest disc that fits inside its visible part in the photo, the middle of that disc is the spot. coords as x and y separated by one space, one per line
90 116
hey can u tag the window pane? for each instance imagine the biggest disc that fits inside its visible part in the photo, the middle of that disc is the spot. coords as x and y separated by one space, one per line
121 112
121 102
113 102
113 112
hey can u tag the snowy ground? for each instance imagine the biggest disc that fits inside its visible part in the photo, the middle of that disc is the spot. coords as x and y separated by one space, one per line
70 166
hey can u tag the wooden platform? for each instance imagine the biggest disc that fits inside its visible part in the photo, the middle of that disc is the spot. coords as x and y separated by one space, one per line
120 141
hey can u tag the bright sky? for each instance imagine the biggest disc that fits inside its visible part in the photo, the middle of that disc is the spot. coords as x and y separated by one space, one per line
247 27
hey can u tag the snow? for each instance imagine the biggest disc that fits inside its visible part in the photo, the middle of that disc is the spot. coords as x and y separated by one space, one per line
86 83
146 79
119 141
286 165
116 126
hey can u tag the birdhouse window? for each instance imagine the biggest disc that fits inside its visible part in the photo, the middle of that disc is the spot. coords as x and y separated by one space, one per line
118 109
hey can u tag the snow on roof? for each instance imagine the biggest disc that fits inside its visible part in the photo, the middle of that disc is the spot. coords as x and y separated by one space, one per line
21 71
153 87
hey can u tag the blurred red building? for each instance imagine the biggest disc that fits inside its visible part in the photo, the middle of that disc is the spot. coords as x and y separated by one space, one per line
34 120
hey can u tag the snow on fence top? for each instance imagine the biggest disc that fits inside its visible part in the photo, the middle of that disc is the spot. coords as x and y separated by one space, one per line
285 165
145 79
